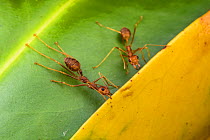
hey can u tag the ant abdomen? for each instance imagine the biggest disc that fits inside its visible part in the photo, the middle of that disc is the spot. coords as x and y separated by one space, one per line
72 64
125 33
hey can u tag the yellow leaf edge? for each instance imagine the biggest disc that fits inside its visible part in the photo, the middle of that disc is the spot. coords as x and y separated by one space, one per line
169 98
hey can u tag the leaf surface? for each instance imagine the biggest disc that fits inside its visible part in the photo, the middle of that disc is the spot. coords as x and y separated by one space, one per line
31 106
167 99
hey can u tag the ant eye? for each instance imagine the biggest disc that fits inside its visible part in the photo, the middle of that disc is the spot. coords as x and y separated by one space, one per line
102 89
129 60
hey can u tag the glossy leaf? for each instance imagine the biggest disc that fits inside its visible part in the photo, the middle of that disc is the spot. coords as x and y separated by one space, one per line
31 106
171 102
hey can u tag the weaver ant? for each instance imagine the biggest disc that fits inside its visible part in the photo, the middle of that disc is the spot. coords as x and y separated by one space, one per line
125 35
72 65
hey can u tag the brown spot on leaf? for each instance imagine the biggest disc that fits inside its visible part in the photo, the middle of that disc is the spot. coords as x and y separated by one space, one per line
127 94
126 88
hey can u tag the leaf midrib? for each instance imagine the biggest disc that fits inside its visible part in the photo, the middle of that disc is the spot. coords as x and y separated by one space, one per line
20 49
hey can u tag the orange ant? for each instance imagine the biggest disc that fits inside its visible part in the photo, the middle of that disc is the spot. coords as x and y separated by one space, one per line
72 65
125 35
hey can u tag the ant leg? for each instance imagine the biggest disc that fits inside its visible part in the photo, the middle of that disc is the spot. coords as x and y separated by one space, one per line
68 84
51 47
152 45
135 26
105 80
105 97
145 47
125 64
75 86
50 59
102 95
95 89
56 43
55 70
108 55
142 54
107 27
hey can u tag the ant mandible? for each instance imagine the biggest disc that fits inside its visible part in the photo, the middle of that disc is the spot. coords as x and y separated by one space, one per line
125 35
73 65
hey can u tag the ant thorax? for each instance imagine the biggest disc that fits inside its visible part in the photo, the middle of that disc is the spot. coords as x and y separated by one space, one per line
129 51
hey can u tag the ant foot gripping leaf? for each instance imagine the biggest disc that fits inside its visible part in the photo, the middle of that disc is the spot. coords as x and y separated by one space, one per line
167 99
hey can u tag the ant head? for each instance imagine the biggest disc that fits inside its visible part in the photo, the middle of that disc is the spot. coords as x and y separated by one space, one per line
125 33
72 64
104 90
134 60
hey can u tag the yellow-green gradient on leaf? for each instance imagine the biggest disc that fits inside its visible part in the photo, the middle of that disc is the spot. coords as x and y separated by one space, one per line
54 16
167 99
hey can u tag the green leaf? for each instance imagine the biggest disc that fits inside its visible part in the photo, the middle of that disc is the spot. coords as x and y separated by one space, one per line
31 106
